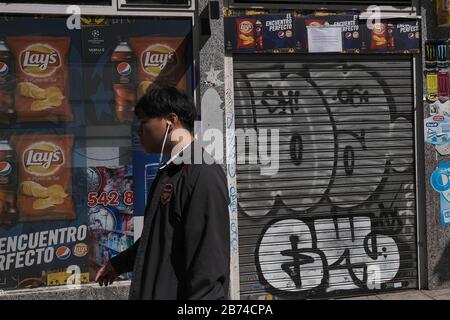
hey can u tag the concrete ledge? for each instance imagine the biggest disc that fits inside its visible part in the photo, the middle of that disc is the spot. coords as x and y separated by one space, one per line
91 291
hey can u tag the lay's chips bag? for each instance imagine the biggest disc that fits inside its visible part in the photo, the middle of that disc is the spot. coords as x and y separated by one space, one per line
45 177
160 60
42 91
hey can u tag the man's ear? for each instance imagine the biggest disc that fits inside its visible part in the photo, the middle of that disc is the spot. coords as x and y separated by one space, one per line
173 119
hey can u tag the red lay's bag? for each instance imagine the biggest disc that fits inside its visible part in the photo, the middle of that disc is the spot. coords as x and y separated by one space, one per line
45 177
160 60
246 33
42 90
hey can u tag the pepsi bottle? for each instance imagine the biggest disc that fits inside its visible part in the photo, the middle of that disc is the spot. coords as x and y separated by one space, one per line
8 184
123 62
7 111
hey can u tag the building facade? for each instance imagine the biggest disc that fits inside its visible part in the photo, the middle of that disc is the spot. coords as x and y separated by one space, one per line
347 205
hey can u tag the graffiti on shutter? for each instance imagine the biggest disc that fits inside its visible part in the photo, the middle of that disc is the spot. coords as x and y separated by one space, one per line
340 212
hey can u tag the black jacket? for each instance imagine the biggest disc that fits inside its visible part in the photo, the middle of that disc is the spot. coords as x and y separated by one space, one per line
184 250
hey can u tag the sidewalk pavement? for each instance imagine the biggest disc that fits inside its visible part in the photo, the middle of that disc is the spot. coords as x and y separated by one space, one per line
442 294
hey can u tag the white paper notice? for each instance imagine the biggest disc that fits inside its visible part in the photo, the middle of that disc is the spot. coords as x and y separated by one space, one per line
325 39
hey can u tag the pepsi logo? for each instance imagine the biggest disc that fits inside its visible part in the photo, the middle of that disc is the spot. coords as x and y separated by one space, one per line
410 35
281 34
348 35
5 168
63 253
3 69
124 68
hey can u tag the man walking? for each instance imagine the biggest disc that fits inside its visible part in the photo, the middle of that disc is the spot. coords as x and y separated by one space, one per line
183 252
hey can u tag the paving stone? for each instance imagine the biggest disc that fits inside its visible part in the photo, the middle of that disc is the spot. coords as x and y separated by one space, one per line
407 295
434 293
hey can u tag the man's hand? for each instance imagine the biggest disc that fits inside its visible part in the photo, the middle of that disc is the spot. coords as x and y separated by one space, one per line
106 275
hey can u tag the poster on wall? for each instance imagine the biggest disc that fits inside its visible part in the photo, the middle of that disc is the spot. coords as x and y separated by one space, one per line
439 108
110 213
437 129
67 173
440 181
124 56
43 231
391 36
146 167
261 33
286 33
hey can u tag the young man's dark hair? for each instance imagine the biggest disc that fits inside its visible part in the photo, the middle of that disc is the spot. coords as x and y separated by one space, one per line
160 101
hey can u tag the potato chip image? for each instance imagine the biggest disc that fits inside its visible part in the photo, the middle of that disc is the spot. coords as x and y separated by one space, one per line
56 190
30 90
39 105
40 204
54 101
37 93
54 96
34 189
53 91
243 37
56 199
142 88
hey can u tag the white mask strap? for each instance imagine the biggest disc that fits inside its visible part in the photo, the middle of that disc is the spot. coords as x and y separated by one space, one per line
164 142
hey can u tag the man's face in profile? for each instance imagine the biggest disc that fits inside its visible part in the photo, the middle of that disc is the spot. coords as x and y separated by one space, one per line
151 131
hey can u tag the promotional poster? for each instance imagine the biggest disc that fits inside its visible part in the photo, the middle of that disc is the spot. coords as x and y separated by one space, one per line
437 129
440 181
110 214
261 33
67 159
284 33
391 36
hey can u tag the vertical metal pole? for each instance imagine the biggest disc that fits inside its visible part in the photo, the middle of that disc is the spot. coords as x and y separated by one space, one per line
230 151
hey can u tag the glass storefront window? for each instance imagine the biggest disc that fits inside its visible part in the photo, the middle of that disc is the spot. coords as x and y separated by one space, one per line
73 177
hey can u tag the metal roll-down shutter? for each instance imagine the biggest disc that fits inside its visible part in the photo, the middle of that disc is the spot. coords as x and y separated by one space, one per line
336 213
